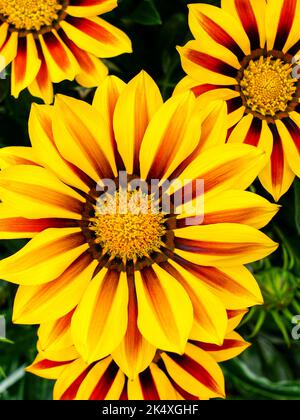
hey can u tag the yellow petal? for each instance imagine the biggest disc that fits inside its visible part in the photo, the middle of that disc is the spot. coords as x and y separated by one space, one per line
234 318
289 130
43 145
50 301
224 244
105 381
232 347
209 63
14 226
45 368
25 66
196 372
282 17
61 63
44 258
100 320
55 336
3 33
159 320
42 86
253 131
135 108
210 22
277 177
68 383
225 167
239 207
83 138
210 317
17 155
96 36
134 354
39 193
152 384
8 51
170 138
95 8
252 15
234 286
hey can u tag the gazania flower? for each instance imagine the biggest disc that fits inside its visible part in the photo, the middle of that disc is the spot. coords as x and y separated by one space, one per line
52 40
166 276
193 375
246 53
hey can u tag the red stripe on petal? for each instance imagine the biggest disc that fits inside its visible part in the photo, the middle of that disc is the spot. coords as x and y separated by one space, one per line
199 90
56 50
71 392
196 371
220 36
277 158
227 345
234 103
211 63
92 29
20 224
81 56
285 23
213 248
124 395
294 131
49 364
148 386
248 19
105 383
253 136
212 276
82 3
21 60
42 78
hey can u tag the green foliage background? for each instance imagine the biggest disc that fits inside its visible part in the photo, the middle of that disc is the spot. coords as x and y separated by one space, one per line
270 369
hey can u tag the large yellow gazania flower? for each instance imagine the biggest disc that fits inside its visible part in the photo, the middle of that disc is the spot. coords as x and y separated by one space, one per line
52 40
166 278
246 53
168 376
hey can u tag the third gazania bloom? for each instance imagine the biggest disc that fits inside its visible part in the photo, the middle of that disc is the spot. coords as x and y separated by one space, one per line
246 52
136 282
52 40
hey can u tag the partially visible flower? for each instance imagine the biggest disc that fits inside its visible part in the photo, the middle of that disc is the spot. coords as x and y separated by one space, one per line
246 52
48 41
132 278
193 375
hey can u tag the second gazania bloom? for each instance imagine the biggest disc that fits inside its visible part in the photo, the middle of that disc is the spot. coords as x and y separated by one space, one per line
136 282
247 53
48 41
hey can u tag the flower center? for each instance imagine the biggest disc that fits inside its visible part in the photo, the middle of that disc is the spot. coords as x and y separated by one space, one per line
127 226
30 15
268 85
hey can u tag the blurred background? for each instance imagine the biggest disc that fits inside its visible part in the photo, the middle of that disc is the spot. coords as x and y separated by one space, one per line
270 369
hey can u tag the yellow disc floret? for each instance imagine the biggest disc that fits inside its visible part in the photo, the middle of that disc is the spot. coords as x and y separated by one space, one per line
30 15
128 226
268 85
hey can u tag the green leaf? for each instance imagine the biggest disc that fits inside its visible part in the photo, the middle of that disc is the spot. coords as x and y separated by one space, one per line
12 379
255 386
146 14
